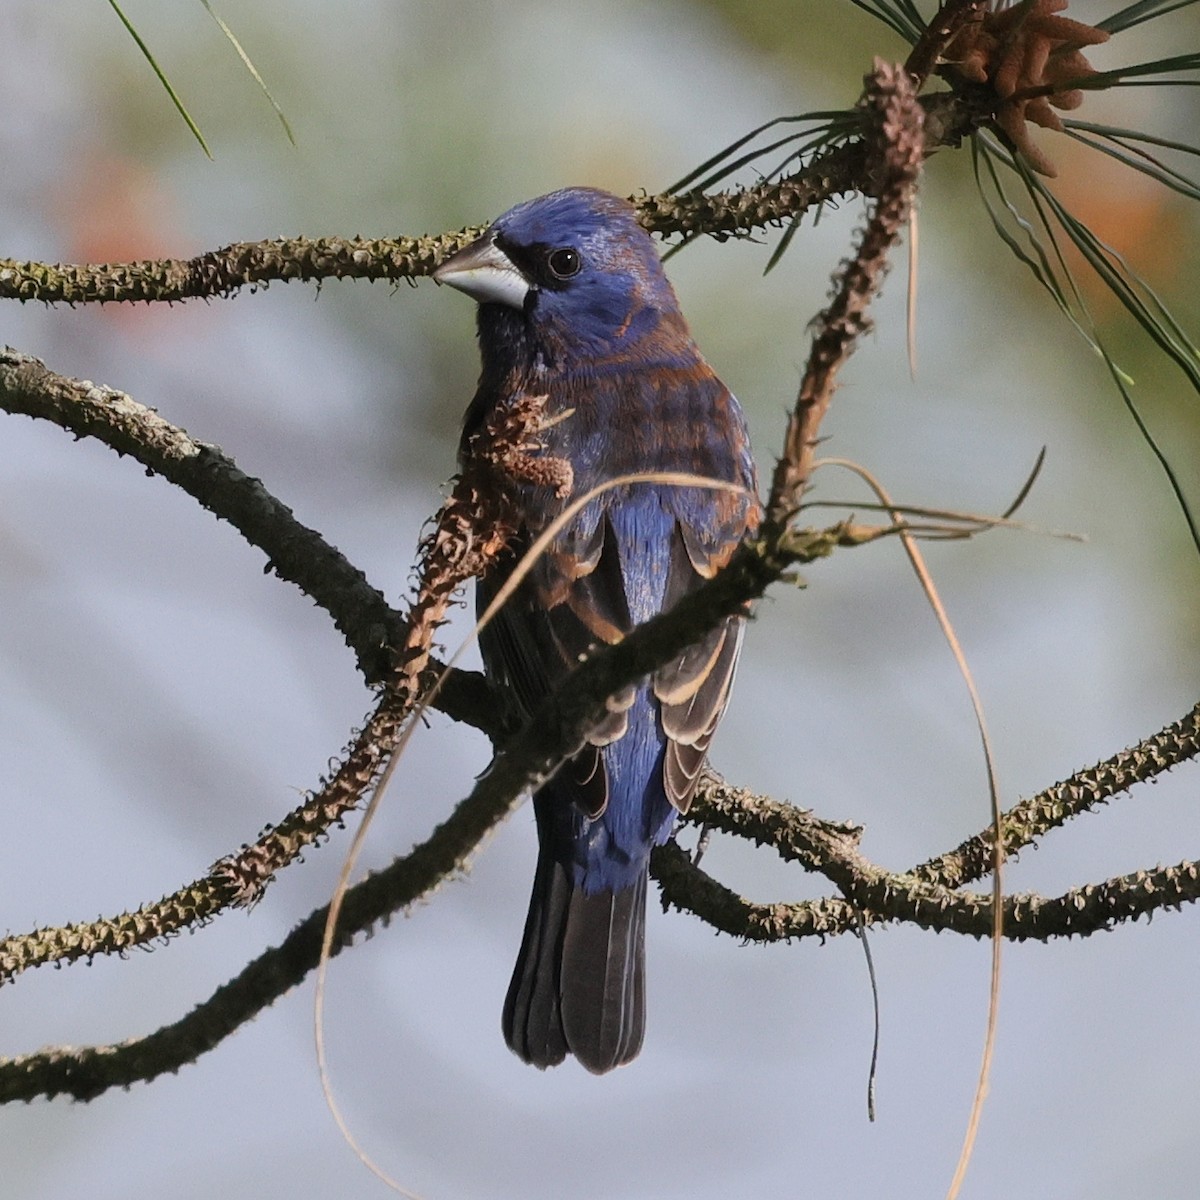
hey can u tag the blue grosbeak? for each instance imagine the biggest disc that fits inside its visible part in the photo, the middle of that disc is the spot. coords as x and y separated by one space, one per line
574 307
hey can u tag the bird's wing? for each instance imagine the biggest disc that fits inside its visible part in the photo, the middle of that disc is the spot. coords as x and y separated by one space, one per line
569 605
694 688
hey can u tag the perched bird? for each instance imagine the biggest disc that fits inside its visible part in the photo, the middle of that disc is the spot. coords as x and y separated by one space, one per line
574 307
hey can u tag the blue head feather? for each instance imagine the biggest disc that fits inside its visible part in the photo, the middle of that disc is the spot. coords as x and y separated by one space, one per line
617 296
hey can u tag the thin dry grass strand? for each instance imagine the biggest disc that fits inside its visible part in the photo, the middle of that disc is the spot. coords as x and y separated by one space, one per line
971 523
522 569
931 594
872 1071
952 522
335 909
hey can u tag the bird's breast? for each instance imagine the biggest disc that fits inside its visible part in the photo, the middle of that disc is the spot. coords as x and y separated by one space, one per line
657 417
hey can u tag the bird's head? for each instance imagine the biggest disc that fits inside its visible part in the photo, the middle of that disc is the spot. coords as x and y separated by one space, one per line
575 267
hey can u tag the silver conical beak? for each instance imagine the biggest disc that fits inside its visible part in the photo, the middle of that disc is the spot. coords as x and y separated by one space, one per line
485 273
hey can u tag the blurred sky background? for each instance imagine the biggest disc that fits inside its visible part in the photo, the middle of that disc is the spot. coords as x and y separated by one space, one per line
161 699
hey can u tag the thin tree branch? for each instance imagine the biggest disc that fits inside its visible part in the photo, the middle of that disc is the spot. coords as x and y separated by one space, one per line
896 151
86 1072
239 879
876 897
295 553
831 848
1029 820
221 273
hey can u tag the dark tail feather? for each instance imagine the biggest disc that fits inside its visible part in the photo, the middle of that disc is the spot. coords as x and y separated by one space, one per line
579 983
532 1021
603 976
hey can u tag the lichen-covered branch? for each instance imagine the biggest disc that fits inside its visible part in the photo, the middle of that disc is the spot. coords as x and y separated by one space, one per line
220 273
798 835
223 272
831 849
300 555
1029 820
895 150
86 1072
237 879
878 897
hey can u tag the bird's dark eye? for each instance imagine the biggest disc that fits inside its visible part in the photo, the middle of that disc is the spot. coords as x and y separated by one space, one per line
564 262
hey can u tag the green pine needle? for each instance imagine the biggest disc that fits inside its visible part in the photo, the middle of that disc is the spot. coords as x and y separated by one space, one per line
179 106
252 69
1135 74
821 131
1134 157
1042 254
901 16
829 127
1143 10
